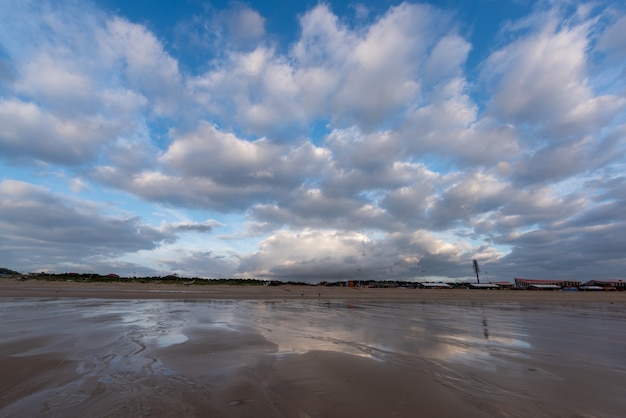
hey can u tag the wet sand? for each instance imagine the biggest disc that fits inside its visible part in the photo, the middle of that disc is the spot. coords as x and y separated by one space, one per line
76 349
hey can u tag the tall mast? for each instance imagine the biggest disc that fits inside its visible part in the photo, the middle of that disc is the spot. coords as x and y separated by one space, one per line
476 269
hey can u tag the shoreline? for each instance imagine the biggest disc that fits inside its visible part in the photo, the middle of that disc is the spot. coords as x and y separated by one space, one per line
10 288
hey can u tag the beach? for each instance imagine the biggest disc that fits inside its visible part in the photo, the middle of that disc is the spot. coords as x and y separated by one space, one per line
148 349
157 290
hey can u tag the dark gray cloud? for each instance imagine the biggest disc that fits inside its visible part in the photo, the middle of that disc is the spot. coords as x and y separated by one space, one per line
193 227
41 229
203 264
583 253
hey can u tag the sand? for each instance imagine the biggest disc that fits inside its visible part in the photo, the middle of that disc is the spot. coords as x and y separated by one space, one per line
134 349
35 288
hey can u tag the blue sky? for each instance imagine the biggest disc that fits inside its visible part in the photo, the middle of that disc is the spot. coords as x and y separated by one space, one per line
314 141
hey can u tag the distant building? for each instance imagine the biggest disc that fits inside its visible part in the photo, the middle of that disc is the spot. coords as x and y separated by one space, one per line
434 286
504 285
531 284
594 288
486 286
608 284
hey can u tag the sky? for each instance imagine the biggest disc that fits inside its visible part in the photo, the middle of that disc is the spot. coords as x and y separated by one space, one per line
314 141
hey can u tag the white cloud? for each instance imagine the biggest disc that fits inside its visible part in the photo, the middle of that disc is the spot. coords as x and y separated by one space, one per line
71 96
314 255
187 192
30 132
209 168
611 40
245 24
254 89
334 72
213 31
309 254
139 57
471 195
313 208
541 80
324 41
446 59
353 149
373 72
133 153
54 77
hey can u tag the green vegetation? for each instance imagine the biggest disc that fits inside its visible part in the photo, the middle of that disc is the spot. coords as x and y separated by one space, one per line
197 281
114 278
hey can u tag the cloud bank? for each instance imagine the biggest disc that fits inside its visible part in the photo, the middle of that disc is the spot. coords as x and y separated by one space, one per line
366 146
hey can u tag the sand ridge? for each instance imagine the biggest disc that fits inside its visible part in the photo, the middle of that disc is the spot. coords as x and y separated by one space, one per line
71 289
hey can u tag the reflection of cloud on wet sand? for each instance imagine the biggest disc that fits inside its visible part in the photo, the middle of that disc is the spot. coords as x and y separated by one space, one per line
267 356
382 332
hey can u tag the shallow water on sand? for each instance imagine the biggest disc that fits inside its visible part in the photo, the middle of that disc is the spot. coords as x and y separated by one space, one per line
67 357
